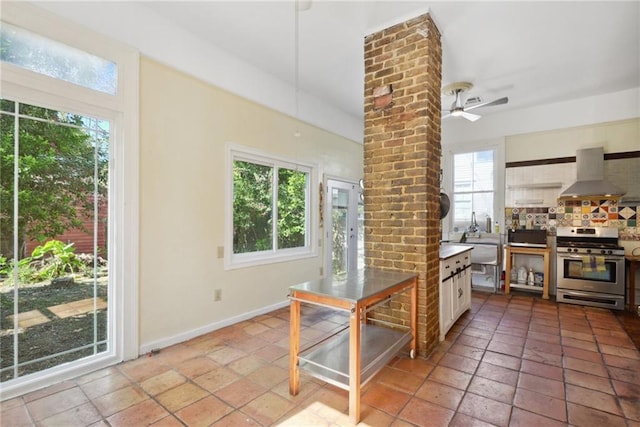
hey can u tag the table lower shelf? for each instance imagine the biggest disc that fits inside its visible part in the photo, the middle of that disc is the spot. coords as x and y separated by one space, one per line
526 287
330 361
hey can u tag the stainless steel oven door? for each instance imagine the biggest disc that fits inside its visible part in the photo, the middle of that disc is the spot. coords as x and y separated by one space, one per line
602 274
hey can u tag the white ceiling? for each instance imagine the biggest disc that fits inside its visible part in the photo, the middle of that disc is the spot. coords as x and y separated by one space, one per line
535 53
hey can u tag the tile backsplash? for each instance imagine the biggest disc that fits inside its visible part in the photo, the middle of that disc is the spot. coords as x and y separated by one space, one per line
577 213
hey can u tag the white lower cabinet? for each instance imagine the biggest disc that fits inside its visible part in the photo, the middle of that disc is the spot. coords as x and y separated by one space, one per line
455 288
446 307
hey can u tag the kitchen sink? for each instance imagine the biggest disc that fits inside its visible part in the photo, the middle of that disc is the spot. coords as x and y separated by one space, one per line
486 259
486 251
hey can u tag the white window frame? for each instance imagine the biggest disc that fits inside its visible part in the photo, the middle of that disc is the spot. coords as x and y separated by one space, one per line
122 110
234 261
498 148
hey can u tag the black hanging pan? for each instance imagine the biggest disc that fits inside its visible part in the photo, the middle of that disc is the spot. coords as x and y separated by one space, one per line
445 205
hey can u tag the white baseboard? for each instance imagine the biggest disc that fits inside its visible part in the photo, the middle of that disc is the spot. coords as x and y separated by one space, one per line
187 335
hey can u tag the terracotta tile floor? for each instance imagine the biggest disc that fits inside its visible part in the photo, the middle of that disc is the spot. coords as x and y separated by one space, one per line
517 361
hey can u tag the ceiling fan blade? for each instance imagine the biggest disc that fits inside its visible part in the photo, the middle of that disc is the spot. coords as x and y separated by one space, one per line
469 116
498 101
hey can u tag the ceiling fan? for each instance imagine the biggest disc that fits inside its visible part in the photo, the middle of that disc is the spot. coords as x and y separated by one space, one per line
458 108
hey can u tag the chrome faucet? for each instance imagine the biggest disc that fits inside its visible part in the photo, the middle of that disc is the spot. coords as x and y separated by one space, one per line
473 228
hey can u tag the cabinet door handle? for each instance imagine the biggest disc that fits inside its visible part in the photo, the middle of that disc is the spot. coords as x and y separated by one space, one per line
460 292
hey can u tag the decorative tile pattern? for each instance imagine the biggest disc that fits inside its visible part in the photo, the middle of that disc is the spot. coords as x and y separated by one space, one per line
578 213
627 213
541 220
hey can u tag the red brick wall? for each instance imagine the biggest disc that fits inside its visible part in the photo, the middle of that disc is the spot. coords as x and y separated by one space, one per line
83 241
402 163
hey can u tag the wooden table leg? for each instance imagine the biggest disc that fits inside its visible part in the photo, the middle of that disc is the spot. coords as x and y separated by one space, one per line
545 281
294 347
354 364
507 273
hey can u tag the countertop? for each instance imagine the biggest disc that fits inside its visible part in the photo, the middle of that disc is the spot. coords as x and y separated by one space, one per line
452 249
355 286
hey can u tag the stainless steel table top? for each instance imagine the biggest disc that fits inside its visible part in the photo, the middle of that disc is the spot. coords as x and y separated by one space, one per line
356 285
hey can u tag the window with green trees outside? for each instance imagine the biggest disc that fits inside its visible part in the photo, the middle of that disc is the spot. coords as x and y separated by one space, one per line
270 207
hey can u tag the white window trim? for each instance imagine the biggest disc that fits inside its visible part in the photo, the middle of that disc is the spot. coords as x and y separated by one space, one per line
498 147
122 110
235 261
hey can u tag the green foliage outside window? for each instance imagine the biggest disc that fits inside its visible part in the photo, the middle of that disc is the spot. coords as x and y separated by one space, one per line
292 187
56 164
51 260
253 213
252 207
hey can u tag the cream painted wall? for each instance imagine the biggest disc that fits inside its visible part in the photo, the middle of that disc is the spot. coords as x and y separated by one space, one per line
184 127
615 137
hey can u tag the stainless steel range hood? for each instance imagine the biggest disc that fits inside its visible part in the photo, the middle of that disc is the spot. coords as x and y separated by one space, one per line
590 180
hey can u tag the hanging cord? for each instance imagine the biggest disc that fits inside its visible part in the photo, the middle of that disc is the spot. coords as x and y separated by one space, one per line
296 55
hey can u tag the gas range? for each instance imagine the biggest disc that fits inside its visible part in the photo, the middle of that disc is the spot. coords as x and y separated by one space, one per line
588 241
592 250
590 267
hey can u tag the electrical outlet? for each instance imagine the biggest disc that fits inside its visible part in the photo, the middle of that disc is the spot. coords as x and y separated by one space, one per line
217 294
220 251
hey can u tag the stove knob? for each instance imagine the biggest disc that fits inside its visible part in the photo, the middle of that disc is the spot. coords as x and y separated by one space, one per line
588 251
609 251
575 250
604 252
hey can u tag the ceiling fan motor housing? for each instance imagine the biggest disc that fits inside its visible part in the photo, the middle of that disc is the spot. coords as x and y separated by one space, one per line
456 88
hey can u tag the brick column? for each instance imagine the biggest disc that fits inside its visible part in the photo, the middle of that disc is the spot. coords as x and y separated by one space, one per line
403 68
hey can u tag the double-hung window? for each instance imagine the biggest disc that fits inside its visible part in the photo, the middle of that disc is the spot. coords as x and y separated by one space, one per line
269 210
473 188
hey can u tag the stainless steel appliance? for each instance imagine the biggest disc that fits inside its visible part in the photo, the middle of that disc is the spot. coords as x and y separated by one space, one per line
590 176
590 266
527 238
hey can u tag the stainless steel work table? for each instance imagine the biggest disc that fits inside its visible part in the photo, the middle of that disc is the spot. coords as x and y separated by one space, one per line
350 358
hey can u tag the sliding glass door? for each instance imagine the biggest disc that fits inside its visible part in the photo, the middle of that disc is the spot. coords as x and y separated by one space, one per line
54 223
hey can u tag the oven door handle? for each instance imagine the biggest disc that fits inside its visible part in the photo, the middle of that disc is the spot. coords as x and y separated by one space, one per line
580 257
